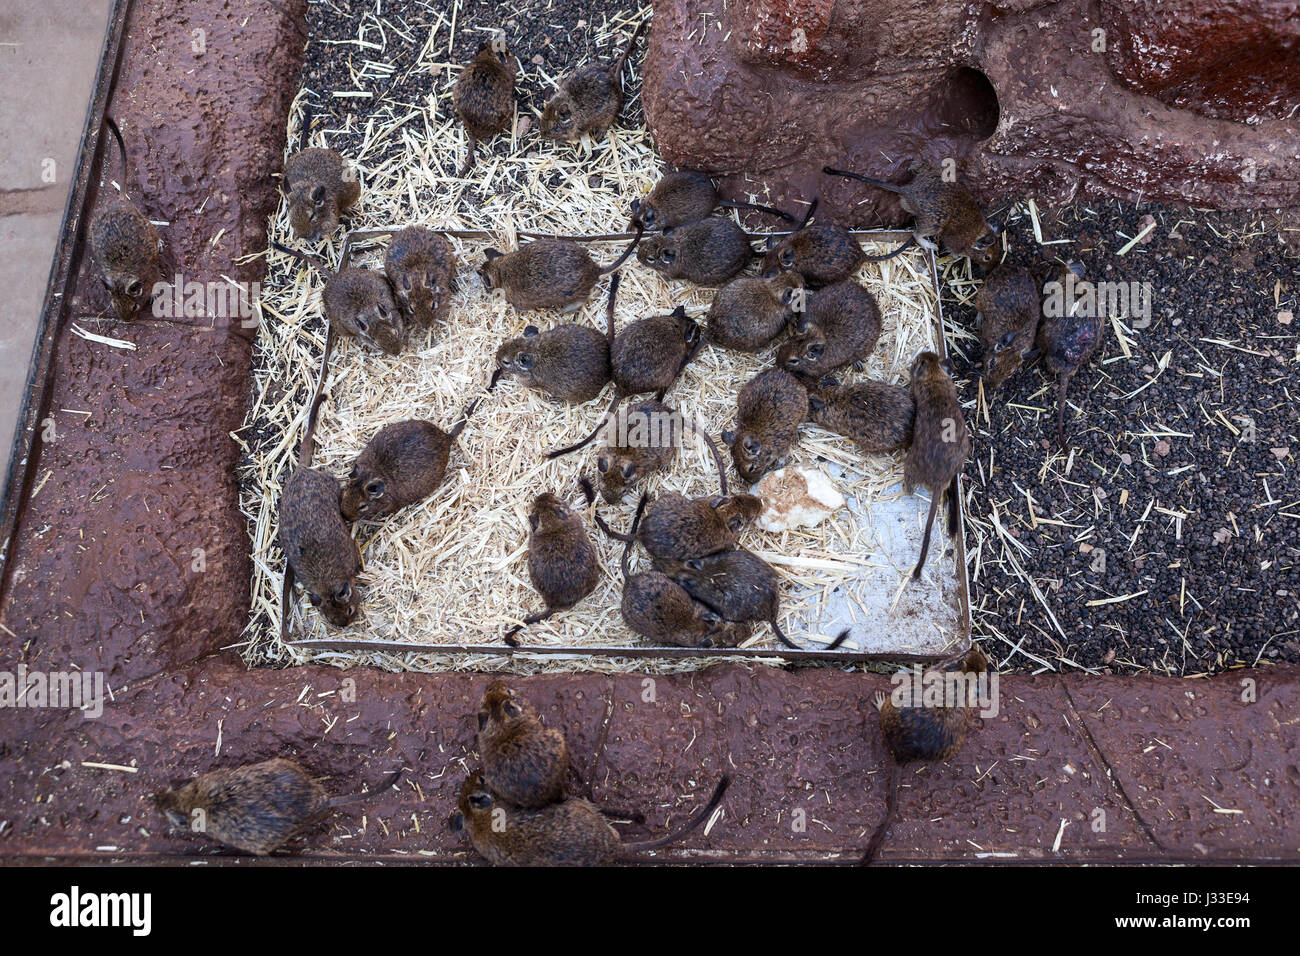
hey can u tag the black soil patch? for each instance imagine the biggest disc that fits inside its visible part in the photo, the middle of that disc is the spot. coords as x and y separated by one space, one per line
1183 467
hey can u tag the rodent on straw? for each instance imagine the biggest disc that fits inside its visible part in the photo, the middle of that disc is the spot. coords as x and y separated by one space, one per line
940 443
572 832
769 409
562 562
317 544
822 253
358 303
707 252
683 197
874 416
403 463
943 209
589 99
921 731
125 245
749 312
840 326
322 187
256 808
547 273
420 265
676 527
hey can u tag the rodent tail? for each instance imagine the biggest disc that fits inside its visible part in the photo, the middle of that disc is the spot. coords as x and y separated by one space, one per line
953 505
780 636
627 48
631 248
771 210
696 819
368 794
592 435
304 257
464 419
609 307
627 548
610 532
121 150
469 158
509 636
717 455
496 377
879 183
925 542
891 807
911 241
807 216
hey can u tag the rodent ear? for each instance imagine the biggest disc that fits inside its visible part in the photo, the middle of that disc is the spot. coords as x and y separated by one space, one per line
343 593
482 719
533 521
636 206
694 564
728 437
1004 343
751 444
721 501
318 193
602 464
679 312
456 821
530 331
815 350
480 800
491 254
629 471
314 598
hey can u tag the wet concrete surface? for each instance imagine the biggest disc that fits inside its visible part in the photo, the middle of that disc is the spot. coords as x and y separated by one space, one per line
139 474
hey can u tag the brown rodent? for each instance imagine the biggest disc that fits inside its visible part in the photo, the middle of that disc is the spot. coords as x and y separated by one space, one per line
1066 342
358 303
569 362
874 416
524 762
748 312
403 463
707 252
823 253
769 410
256 808
942 209
1010 307
737 585
420 265
321 188
940 443
484 94
676 527
841 325
546 273
658 608
562 563
570 833
682 197
317 545
650 430
125 245
587 100
920 731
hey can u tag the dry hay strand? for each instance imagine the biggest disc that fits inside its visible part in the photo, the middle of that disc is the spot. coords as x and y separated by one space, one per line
452 568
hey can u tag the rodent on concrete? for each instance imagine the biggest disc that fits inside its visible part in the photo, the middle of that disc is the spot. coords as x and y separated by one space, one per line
940 443
769 409
589 99
420 265
708 252
484 95
524 761
322 187
572 832
256 808
919 731
840 326
125 245
874 416
317 544
943 209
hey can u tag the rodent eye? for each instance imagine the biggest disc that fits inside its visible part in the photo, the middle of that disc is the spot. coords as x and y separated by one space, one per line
602 464
787 256
735 524
669 256
815 351
629 471
480 801
802 326
343 593
318 194
406 283
526 361
512 710
363 326
751 445
648 217
375 487
692 334
135 288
